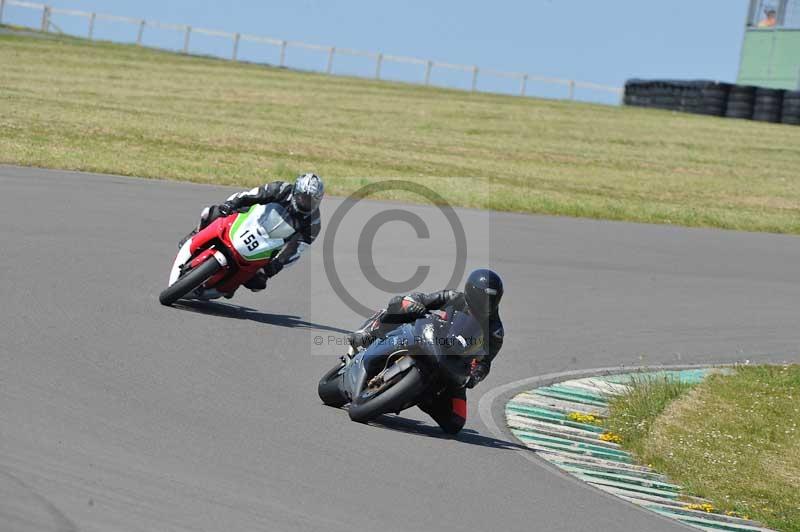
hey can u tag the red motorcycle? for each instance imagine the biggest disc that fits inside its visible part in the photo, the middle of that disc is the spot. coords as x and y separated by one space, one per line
227 253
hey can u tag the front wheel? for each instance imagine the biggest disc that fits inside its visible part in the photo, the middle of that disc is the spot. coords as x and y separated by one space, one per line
397 395
190 281
330 388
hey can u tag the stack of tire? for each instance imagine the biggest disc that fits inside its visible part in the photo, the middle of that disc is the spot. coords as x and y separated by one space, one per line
710 98
790 112
644 93
741 100
768 105
716 99
701 97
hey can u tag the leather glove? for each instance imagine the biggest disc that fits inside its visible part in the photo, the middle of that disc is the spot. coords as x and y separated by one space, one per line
273 268
478 373
360 339
225 209
412 306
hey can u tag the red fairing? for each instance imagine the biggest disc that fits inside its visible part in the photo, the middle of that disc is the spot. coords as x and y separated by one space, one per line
460 407
209 240
201 257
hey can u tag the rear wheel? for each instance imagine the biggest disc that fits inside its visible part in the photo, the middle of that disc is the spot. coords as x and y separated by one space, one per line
190 281
391 397
330 388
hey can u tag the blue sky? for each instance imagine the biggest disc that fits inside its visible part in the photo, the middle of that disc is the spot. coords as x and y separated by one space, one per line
602 42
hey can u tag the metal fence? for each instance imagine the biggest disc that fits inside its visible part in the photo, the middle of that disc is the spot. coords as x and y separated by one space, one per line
426 67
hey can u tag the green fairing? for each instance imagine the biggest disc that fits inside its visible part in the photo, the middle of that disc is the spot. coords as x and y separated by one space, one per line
239 221
240 218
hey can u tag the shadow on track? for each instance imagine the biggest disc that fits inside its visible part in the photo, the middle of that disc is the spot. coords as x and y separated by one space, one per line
224 310
420 428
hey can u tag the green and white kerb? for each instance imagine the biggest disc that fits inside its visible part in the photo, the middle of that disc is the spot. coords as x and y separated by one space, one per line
553 422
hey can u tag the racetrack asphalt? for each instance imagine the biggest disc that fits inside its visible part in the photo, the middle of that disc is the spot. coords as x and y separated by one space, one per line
118 414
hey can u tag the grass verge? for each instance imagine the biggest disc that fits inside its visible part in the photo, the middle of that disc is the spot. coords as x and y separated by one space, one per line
633 413
732 439
73 104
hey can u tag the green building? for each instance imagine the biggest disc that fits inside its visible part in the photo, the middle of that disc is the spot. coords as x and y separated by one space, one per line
771 47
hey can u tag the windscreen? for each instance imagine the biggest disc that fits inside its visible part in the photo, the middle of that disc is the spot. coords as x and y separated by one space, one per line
463 336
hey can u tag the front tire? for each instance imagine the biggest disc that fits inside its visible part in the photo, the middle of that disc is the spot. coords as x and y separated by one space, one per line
392 399
330 388
190 281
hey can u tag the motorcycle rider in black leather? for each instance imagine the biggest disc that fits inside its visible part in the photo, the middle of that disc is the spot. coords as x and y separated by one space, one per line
481 298
301 200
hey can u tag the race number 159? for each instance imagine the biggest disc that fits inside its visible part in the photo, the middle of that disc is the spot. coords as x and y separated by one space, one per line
249 241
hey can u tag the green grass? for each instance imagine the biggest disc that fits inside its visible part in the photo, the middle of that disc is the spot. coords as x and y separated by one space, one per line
732 439
67 103
633 413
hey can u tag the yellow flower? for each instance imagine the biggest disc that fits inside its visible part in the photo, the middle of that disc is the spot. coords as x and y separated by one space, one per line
705 507
610 436
582 418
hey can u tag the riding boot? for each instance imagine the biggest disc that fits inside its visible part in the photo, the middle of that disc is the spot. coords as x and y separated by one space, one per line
257 282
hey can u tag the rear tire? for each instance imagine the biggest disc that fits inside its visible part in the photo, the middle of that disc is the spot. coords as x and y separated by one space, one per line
392 399
189 282
330 388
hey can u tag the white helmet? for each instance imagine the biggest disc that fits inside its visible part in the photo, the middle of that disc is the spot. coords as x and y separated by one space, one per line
307 193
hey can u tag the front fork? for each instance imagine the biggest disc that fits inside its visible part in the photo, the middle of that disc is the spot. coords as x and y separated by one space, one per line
208 254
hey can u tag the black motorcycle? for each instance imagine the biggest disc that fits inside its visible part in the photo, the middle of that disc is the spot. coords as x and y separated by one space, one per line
409 363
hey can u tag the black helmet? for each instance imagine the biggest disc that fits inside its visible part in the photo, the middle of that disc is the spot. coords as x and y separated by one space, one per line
483 292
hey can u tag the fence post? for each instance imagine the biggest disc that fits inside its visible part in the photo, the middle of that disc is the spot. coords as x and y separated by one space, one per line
523 84
2 6
46 19
236 38
141 33
91 25
378 64
428 67
283 53
186 39
329 68
474 78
